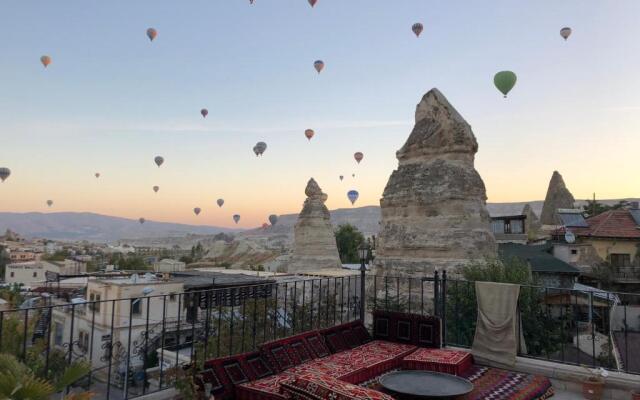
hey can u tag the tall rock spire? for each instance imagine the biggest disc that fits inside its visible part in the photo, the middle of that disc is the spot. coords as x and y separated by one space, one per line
314 241
434 211
558 196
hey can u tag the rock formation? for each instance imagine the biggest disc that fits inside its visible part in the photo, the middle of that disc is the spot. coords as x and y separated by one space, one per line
314 242
532 223
558 196
434 211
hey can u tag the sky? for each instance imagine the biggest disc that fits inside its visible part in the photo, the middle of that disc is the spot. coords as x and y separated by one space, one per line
111 100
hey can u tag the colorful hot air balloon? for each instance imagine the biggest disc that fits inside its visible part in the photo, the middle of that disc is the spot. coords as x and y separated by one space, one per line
49 203
158 160
417 28
151 34
353 196
309 133
318 65
505 81
197 210
45 60
97 174
220 202
273 219
141 220
236 218
565 32
204 112
358 156
156 188
341 177
4 173
260 148
312 2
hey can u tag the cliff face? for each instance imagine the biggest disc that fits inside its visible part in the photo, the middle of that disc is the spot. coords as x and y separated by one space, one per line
433 207
314 242
558 196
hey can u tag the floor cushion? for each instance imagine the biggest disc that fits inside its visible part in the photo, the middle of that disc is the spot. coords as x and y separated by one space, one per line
499 384
266 388
453 362
318 387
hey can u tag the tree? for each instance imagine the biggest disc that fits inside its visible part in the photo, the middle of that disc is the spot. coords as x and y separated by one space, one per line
541 332
593 208
348 239
4 260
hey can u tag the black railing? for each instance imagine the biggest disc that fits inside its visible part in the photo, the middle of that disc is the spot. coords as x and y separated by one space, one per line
134 345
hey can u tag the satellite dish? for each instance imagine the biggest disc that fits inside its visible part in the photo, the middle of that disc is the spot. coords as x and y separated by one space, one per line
569 237
147 291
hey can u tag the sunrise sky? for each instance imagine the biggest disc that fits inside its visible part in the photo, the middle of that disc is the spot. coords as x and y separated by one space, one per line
111 100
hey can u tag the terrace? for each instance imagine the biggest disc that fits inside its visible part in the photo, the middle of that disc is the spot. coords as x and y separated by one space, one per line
138 347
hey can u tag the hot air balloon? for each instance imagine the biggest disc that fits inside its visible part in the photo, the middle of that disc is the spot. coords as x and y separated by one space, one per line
141 220
158 160
417 28
236 218
273 219
265 226
45 60
255 150
97 174
505 81
204 112
341 177
197 210
220 202
309 133
49 203
156 188
4 173
565 32
151 34
353 196
358 156
324 197
353 175
260 148
312 2
318 65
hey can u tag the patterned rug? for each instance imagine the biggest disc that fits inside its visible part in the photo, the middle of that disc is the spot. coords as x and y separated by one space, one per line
497 384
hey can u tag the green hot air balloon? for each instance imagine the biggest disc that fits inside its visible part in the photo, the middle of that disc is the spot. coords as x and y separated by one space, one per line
505 81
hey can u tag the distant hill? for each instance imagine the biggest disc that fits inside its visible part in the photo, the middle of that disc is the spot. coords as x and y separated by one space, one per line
94 227
103 228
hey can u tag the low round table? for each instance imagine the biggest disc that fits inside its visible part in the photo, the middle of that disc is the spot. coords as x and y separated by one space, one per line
425 385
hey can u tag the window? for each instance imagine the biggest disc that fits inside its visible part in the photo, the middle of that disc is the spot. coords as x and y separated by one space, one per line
94 306
83 341
620 260
497 226
574 251
517 226
172 297
13 274
35 274
136 309
58 334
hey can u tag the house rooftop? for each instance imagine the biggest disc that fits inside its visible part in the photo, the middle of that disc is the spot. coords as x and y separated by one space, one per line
615 224
538 258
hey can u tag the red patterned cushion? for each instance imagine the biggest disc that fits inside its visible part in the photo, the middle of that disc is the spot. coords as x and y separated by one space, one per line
317 345
317 387
224 373
350 338
266 388
335 341
453 362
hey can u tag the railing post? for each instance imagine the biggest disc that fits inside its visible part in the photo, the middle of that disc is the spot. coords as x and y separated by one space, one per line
444 308
436 293
362 290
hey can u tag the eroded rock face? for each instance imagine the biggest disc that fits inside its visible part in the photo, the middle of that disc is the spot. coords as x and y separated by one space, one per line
532 223
433 207
314 241
558 196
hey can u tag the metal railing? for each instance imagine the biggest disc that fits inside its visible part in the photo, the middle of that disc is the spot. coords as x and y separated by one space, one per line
134 345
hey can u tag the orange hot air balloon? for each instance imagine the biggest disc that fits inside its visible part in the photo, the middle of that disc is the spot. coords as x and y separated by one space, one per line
45 60
358 156
309 133
204 112
151 34
318 65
